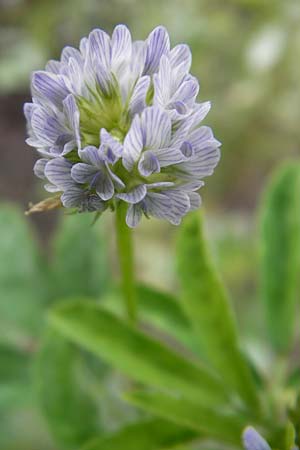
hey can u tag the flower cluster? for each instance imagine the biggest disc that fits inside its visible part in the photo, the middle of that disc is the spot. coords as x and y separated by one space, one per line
117 121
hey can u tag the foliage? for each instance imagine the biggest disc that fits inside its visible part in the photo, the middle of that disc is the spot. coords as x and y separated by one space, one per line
181 377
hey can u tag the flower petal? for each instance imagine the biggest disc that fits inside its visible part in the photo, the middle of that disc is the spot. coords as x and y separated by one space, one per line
49 86
39 168
253 441
108 140
181 55
120 48
138 99
58 172
83 173
156 126
169 156
158 44
104 186
195 200
100 48
148 164
203 164
72 114
135 195
133 144
92 155
72 197
47 128
134 215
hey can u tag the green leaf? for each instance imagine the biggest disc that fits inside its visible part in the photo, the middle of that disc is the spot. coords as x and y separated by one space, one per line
70 412
207 305
151 435
23 291
212 423
158 309
280 240
79 258
136 354
15 374
14 364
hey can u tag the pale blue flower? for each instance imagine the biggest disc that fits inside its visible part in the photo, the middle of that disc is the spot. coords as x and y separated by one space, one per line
118 121
253 441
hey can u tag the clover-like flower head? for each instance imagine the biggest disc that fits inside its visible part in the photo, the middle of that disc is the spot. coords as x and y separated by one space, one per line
117 121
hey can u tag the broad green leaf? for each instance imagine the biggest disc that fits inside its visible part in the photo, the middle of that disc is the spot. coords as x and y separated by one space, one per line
23 292
154 434
136 354
280 241
15 374
70 412
14 364
207 305
158 309
79 258
212 423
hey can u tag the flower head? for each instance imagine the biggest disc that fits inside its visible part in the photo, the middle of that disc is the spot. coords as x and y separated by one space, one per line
117 121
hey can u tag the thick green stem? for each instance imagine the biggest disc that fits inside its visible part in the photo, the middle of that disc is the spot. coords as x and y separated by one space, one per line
126 259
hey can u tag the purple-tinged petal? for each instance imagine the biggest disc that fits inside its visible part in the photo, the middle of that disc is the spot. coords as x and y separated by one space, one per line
116 180
104 186
180 131
134 215
83 46
73 197
28 109
201 138
91 155
162 82
200 112
181 55
203 164
51 188
58 172
100 48
160 185
195 200
138 99
53 66
192 185
187 150
39 167
73 117
169 156
135 195
46 127
139 50
49 86
84 173
187 92
148 164
104 78
157 205
156 126
133 144
93 203
120 48
180 204
109 141
252 440
158 44
71 52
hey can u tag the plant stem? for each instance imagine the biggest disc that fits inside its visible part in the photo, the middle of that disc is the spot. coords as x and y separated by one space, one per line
126 261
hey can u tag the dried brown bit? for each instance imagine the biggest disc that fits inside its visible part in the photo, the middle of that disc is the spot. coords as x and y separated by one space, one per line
46 205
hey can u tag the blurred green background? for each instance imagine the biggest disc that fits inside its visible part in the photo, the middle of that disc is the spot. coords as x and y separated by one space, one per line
245 53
